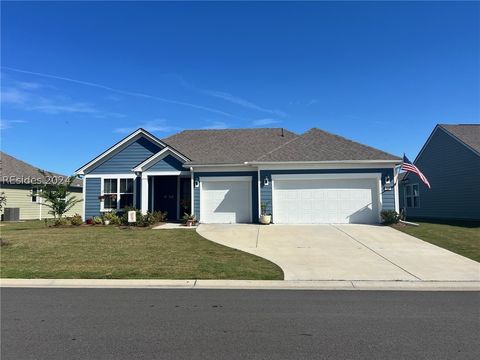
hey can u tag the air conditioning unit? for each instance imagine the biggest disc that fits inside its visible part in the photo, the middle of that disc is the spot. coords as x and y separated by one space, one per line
11 214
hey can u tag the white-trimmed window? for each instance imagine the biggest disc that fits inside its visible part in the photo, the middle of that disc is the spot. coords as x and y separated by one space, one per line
35 197
412 196
118 193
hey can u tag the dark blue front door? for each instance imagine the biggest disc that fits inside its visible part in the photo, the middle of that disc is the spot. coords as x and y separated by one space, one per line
165 195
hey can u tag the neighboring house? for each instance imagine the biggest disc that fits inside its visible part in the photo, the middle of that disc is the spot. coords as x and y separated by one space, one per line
223 176
18 179
450 159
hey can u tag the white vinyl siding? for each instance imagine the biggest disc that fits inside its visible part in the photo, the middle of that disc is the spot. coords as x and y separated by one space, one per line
21 197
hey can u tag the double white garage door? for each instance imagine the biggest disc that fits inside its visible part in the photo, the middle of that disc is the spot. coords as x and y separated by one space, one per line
296 199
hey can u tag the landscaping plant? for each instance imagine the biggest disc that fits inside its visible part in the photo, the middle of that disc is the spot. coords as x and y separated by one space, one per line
58 197
389 217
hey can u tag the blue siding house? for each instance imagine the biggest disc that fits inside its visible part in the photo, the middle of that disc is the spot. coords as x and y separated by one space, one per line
450 159
228 176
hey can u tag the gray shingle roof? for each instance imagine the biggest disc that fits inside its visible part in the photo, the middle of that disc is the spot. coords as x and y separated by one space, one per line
12 168
319 145
230 146
469 134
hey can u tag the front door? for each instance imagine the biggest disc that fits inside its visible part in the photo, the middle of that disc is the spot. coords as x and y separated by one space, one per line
165 195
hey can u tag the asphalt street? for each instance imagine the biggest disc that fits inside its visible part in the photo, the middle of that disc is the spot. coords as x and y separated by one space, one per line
237 324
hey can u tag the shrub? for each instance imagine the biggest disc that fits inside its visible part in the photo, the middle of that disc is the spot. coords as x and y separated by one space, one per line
148 219
76 220
112 217
97 220
60 222
188 217
390 217
159 216
89 221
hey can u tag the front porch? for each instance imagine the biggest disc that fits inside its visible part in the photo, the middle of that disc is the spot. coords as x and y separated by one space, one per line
166 192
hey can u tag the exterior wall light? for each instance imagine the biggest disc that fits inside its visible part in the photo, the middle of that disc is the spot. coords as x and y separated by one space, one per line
197 183
266 182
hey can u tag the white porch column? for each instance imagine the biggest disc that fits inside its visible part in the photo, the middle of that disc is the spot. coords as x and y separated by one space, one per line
144 207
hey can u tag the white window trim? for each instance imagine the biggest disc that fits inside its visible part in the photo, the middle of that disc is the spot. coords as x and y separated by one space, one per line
412 196
118 178
37 196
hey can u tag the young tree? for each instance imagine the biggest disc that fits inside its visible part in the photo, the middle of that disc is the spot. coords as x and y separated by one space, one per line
58 197
3 200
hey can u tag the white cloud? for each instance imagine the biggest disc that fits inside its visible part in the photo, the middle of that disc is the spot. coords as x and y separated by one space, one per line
264 122
7 124
242 102
29 85
304 102
65 108
119 91
215 125
157 125
32 101
14 96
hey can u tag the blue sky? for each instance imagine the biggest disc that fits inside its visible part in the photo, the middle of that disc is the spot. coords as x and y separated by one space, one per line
381 73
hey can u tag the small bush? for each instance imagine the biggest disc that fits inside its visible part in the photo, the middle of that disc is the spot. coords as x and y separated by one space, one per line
112 217
60 222
390 217
89 221
150 218
159 216
97 220
76 220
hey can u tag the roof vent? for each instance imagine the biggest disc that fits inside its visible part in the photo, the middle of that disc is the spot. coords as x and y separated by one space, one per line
283 135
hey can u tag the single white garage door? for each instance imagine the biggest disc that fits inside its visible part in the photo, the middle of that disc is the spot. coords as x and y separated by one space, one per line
328 200
226 200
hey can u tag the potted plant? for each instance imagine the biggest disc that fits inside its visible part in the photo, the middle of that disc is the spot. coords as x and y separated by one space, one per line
189 219
264 217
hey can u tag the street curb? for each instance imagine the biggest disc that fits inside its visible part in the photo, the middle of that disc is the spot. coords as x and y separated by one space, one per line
244 284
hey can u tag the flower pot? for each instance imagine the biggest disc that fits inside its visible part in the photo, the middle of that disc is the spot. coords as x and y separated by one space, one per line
265 219
107 222
190 223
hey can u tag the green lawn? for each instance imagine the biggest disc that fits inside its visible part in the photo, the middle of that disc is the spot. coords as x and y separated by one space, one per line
36 251
461 238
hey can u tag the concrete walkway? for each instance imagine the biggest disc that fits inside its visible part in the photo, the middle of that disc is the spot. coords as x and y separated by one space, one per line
345 252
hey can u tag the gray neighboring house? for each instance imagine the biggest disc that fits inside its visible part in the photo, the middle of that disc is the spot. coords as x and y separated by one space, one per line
18 179
450 159
224 176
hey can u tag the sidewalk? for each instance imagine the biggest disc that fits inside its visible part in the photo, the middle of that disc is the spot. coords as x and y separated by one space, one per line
244 284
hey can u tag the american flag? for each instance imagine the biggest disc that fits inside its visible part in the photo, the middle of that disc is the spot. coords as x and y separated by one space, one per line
409 167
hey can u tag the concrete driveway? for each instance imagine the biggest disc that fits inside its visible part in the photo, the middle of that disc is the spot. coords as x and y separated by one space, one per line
345 252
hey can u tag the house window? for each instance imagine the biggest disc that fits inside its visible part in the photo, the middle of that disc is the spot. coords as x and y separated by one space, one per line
117 193
34 195
412 196
126 193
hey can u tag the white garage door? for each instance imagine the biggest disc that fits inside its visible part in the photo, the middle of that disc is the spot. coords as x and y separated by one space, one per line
225 200
328 200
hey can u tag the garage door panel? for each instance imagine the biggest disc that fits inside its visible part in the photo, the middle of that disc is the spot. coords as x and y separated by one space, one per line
326 201
225 202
